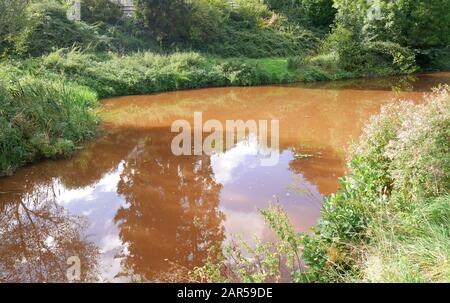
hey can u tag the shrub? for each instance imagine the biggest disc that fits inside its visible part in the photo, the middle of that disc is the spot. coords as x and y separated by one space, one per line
42 119
45 28
48 29
398 59
12 21
434 58
93 11
167 21
143 73
310 13
420 25
393 209
366 57
419 155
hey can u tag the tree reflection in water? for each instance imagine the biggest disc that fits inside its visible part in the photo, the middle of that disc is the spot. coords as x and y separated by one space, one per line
172 217
38 237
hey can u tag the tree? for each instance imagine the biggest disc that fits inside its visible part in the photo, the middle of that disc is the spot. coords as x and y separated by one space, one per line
100 11
319 13
12 20
311 13
419 24
167 20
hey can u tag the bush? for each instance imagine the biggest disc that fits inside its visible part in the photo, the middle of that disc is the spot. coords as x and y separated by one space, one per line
42 119
376 58
420 25
434 58
45 28
310 13
419 155
166 21
93 11
392 56
249 30
12 21
388 221
48 29
143 73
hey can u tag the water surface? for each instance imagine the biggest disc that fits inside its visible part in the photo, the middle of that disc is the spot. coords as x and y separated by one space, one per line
132 211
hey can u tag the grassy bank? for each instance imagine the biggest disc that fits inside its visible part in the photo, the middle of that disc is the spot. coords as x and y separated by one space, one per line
389 223
82 77
43 119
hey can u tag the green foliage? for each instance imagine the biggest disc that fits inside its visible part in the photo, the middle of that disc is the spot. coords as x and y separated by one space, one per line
247 29
209 16
366 57
434 58
420 25
310 13
93 11
319 13
11 21
45 28
143 73
392 212
262 42
252 12
40 118
419 156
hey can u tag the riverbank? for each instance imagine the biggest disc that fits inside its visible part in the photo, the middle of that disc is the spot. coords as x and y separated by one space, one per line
44 99
389 222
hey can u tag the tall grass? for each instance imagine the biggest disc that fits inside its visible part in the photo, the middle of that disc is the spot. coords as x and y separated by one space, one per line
42 119
45 28
389 222
146 72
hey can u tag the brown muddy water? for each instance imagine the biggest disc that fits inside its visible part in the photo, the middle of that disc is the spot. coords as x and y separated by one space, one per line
131 210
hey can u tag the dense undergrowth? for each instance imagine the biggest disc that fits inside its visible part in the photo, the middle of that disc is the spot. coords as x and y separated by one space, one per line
43 119
45 28
388 223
